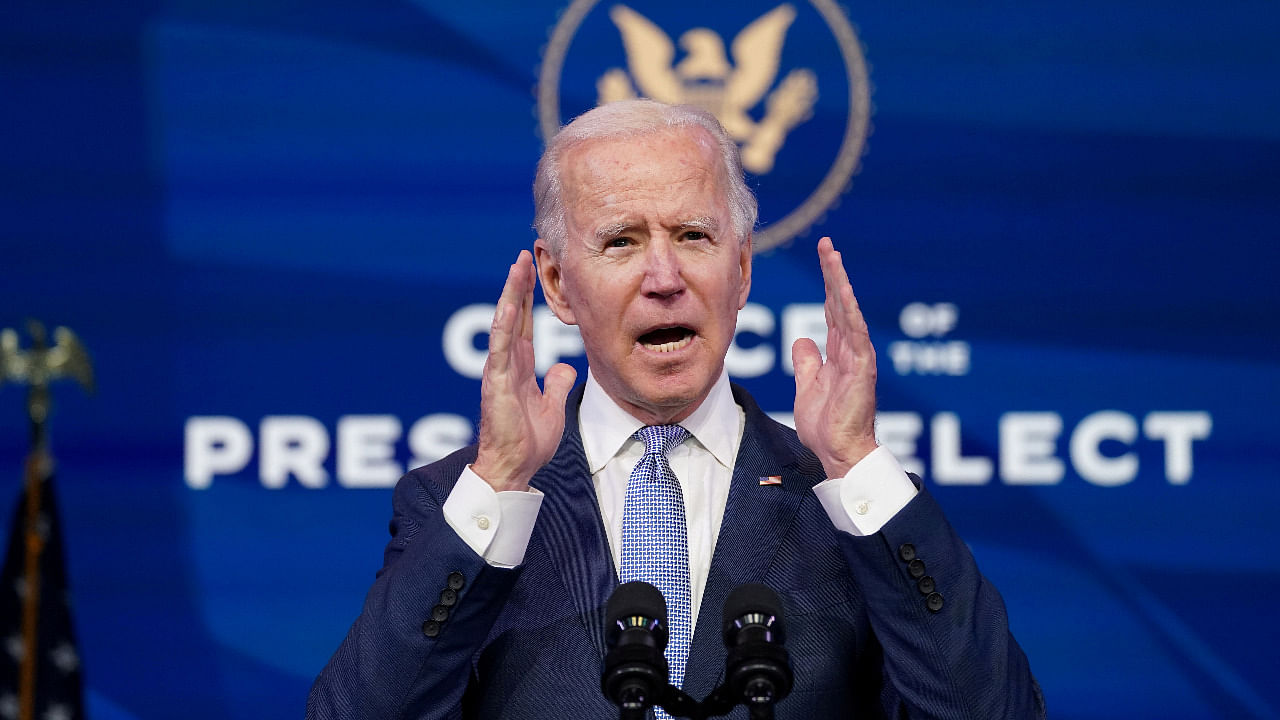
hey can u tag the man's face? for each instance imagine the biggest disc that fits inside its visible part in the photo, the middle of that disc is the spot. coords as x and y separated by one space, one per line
652 272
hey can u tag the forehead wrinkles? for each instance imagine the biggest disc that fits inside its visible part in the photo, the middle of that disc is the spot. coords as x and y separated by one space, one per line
607 172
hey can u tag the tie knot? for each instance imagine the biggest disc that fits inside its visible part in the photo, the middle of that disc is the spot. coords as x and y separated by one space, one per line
659 439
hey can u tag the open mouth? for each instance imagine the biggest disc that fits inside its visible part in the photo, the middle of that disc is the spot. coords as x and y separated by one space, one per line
668 339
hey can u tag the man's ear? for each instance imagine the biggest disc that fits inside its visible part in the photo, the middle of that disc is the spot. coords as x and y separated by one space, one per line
552 279
744 265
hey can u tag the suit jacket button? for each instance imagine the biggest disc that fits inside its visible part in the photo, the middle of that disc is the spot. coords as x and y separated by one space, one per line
926 585
907 552
448 597
456 580
916 568
439 613
933 602
431 628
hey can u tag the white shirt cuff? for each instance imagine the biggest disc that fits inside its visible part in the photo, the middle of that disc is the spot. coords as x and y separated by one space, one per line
868 496
496 525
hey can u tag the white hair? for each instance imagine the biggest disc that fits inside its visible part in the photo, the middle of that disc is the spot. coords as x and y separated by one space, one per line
631 118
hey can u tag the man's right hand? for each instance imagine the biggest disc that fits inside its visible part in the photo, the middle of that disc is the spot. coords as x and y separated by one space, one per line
520 425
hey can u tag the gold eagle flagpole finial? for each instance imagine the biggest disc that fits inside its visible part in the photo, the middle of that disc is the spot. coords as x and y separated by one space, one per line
37 368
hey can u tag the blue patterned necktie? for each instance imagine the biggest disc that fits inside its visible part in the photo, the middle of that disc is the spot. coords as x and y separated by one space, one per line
655 546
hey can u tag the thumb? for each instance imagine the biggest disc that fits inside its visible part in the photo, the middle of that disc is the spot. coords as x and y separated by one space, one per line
557 383
806 359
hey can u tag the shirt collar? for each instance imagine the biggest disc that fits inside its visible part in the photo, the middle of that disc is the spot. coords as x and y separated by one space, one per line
606 427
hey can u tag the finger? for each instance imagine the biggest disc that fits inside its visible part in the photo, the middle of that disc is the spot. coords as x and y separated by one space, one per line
503 327
837 349
558 383
832 263
513 289
516 292
500 332
833 268
526 316
828 260
845 308
858 323
806 360
848 340
836 281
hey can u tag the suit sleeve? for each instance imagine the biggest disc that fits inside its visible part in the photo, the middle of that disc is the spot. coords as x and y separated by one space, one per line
948 652
409 654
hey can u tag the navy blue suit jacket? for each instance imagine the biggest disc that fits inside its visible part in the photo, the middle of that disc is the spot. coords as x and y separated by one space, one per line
529 642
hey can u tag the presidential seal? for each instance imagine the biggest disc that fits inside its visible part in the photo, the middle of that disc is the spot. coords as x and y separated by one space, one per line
791 88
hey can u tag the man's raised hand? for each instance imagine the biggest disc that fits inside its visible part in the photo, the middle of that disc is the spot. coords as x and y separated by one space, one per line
520 425
836 400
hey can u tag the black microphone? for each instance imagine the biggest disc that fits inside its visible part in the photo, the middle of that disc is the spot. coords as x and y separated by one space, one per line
635 670
757 669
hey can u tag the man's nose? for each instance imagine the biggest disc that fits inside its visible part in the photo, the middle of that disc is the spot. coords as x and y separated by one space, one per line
662 271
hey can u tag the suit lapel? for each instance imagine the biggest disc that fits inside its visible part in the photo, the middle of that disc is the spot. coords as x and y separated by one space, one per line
570 525
756 518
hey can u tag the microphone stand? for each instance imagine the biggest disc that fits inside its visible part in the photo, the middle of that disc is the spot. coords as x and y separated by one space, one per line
680 704
758 672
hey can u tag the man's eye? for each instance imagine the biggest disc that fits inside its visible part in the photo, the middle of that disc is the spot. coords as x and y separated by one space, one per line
695 235
618 242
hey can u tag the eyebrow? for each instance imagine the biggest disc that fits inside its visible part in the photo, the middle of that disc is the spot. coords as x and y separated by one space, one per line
609 232
701 223
704 222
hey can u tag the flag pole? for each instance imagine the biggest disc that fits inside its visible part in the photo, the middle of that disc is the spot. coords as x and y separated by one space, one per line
36 463
38 367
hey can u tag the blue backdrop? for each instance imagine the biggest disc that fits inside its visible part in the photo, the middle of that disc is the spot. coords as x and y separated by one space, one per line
270 223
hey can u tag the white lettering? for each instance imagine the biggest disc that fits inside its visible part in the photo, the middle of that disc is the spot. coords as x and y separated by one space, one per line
292 444
1087 457
434 436
901 355
800 321
366 451
930 358
1027 446
759 360
214 445
898 431
1028 441
918 319
459 339
553 340
1178 430
949 467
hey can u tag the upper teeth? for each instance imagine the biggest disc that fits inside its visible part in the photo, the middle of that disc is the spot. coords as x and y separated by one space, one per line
670 346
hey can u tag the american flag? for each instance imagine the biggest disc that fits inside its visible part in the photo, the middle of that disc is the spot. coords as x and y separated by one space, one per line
54 690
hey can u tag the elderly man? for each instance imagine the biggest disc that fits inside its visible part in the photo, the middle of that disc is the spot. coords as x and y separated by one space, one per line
490 602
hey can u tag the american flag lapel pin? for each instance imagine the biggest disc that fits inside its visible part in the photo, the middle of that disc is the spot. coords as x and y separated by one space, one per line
771 480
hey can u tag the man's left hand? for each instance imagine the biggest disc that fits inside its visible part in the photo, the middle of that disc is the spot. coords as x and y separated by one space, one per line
835 409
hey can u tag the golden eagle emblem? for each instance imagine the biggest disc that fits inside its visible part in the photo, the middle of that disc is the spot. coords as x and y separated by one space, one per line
704 77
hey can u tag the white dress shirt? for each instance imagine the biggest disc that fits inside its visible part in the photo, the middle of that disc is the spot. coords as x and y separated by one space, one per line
498 525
